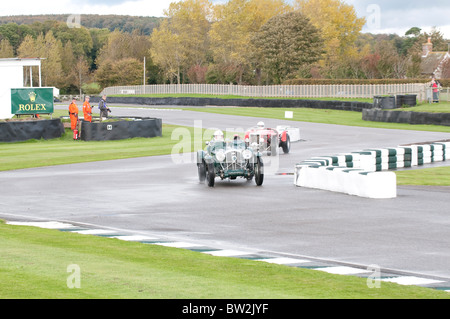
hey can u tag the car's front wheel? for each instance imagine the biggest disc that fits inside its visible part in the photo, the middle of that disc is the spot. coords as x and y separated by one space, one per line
286 146
259 172
210 175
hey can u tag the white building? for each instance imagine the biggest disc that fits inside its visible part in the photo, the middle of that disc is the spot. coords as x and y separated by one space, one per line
12 77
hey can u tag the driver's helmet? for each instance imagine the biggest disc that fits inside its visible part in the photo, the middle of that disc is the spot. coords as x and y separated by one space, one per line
260 125
218 135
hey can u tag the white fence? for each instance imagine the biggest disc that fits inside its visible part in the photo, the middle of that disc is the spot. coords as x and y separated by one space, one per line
285 91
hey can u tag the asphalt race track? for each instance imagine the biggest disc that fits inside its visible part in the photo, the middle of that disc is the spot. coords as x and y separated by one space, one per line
161 196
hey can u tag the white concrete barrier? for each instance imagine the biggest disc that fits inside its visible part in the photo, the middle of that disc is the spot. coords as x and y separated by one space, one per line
364 173
375 185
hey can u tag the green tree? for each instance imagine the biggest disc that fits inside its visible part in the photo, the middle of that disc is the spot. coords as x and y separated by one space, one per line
287 43
99 39
15 34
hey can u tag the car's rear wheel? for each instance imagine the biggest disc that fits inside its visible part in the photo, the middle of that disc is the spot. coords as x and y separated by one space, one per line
259 172
210 175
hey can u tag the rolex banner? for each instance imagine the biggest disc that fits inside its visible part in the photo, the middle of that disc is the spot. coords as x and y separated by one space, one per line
32 101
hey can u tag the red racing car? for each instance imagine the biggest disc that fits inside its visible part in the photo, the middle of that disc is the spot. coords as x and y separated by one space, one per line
268 140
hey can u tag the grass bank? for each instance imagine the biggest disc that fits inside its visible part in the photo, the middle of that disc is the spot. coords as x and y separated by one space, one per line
443 107
437 176
35 264
317 116
65 150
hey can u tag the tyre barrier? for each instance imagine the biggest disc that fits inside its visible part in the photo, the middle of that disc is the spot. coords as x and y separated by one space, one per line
366 173
122 128
19 131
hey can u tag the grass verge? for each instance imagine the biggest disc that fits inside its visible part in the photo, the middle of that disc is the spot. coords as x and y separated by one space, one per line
318 116
64 150
430 108
34 265
437 176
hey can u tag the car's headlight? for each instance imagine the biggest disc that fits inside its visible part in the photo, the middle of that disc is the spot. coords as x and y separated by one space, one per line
247 154
220 155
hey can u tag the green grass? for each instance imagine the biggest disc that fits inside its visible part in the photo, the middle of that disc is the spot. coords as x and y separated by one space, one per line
443 107
65 150
337 117
438 176
34 265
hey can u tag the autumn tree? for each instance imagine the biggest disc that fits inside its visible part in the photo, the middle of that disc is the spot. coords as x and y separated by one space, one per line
82 73
121 45
167 52
181 41
126 71
120 48
49 50
339 26
234 25
68 61
6 49
189 19
369 66
287 43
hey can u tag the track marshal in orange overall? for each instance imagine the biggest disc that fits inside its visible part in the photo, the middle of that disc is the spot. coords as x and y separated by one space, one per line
87 110
73 112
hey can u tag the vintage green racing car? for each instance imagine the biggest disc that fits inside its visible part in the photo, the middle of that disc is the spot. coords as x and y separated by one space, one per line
229 160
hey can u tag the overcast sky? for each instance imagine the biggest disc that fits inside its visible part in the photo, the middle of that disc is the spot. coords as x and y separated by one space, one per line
383 16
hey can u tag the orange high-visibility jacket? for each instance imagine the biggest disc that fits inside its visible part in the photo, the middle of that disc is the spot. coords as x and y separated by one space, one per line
73 110
87 111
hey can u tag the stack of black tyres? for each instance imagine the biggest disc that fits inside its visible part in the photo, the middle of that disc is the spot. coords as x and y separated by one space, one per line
407 99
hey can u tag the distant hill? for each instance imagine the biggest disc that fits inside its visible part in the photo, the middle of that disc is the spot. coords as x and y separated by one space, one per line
121 22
